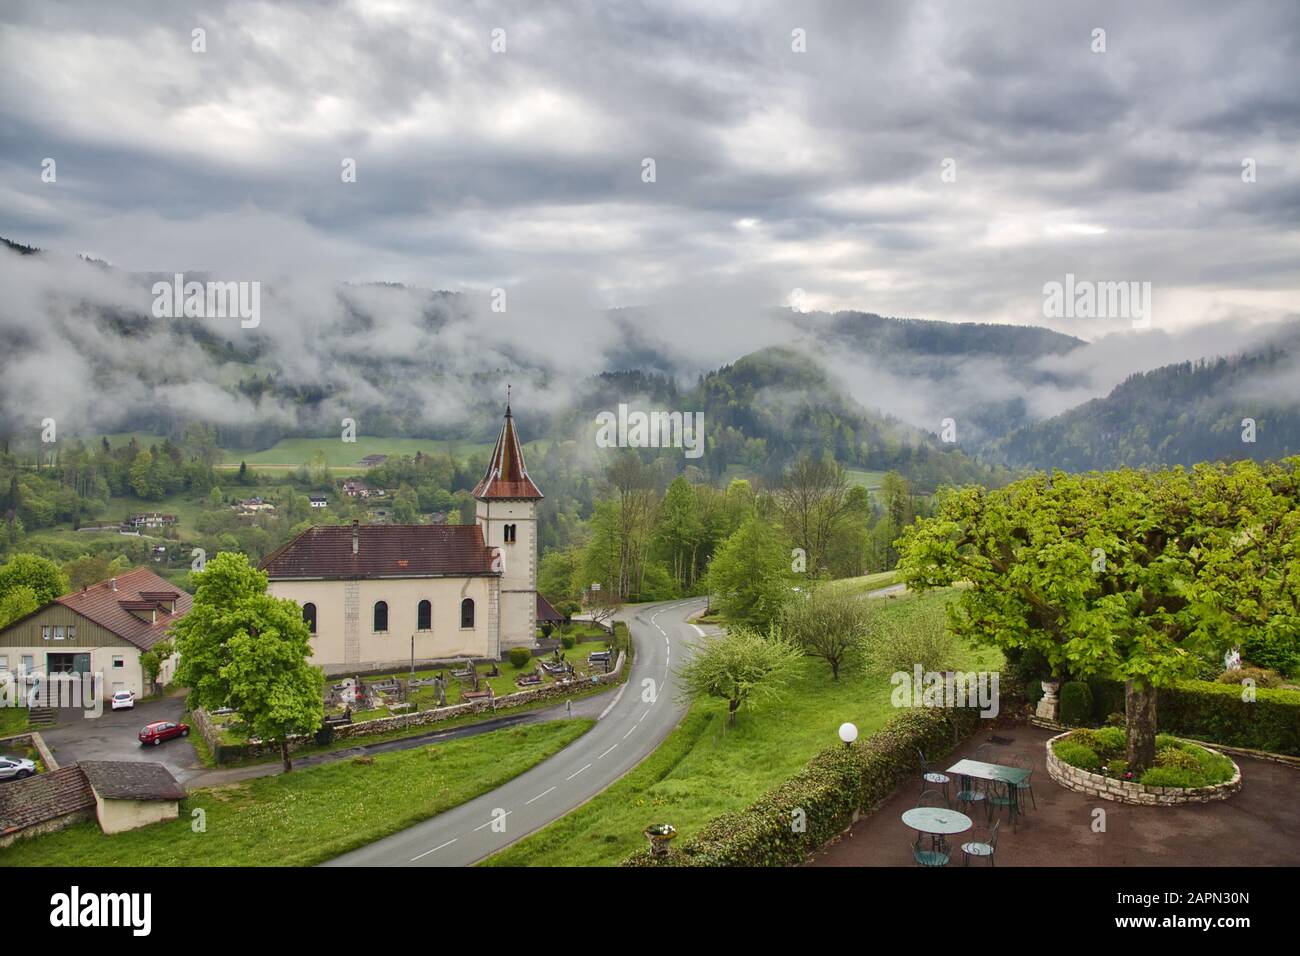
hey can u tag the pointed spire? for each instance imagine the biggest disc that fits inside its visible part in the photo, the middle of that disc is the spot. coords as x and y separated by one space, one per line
507 475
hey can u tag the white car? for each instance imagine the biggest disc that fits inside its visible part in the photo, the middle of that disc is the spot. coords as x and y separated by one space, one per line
122 700
16 768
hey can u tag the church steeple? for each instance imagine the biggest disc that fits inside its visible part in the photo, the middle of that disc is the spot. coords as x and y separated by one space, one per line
507 475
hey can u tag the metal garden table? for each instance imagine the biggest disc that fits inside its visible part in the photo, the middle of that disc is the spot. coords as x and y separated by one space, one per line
938 822
994 772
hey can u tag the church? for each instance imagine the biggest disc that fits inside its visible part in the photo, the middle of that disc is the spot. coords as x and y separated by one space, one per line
376 596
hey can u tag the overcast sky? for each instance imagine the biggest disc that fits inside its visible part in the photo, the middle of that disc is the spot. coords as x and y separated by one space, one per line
775 169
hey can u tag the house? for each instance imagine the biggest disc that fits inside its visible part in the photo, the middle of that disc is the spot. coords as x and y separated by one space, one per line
252 505
150 519
375 596
121 795
356 489
319 501
371 460
101 629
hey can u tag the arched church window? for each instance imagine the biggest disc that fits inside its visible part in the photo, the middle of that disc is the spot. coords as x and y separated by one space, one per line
381 616
424 616
467 613
309 616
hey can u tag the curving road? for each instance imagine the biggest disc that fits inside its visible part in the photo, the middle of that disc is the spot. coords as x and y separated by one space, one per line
630 725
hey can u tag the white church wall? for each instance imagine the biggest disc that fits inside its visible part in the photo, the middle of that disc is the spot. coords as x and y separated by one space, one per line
446 639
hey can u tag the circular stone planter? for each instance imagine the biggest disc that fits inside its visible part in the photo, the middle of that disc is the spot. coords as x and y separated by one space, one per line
1130 791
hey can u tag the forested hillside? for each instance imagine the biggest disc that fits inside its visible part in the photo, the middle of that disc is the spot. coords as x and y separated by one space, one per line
1177 415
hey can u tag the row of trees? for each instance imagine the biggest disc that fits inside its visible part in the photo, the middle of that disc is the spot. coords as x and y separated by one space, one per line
748 546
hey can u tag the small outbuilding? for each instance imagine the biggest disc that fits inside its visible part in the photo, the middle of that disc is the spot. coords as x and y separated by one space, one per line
132 793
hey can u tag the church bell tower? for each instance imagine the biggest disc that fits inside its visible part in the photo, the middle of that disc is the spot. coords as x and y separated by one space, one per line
507 512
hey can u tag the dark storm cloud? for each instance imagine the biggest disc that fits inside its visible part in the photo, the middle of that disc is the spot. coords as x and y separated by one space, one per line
776 170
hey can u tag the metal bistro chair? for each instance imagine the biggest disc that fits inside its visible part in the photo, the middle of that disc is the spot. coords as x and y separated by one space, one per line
983 848
969 792
930 776
1025 786
939 851
1002 794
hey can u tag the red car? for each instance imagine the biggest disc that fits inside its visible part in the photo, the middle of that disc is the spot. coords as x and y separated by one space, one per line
161 730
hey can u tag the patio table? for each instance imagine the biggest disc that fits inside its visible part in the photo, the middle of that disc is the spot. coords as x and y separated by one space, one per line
1011 776
938 822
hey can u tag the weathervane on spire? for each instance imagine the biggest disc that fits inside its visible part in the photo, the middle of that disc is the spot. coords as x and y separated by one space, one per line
507 399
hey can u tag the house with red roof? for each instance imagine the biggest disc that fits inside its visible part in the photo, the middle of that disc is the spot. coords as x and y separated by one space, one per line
101 629
377 596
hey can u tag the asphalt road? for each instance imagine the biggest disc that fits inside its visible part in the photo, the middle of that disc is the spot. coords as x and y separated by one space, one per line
633 723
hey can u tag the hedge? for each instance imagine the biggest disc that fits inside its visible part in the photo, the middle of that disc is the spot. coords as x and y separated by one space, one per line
823 796
1216 714
1076 703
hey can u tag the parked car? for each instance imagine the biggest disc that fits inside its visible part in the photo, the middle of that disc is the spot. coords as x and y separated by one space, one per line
16 768
122 700
160 730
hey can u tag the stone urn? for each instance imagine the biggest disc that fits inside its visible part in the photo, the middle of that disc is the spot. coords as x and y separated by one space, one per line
1049 706
660 836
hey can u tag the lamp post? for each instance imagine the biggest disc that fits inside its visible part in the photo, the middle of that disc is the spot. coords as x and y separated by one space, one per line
848 733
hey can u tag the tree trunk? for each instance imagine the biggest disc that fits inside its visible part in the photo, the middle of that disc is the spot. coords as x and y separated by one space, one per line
1140 718
732 707
835 668
284 754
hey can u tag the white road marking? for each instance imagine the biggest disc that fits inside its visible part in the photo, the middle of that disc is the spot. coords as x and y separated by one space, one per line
435 849
616 699
493 820
539 796
576 772
643 713
629 732
607 751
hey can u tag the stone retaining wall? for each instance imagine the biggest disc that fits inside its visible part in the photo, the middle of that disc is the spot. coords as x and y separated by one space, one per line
1130 791
223 753
34 740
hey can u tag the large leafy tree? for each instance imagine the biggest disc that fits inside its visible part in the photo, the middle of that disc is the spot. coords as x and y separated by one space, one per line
41 575
828 623
750 574
242 648
679 531
741 667
17 602
1128 575
813 498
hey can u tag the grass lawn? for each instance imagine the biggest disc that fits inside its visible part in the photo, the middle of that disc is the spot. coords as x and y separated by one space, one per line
292 452
13 720
703 768
305 817
867 479
865 583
